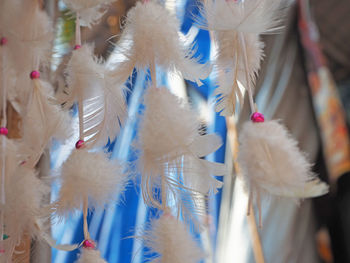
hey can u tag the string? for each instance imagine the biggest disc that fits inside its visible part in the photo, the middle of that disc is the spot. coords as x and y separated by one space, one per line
245 59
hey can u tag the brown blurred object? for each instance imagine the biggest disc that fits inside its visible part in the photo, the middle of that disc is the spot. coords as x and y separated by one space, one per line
333 20
324 245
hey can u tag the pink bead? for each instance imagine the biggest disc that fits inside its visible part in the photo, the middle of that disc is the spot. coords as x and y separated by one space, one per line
257 117
89 244
4 131
77 47
3 41
2 251
80 144
35 74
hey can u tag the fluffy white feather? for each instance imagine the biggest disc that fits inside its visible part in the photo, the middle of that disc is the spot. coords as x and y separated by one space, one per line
29 32
151 35
24 194
43 120
170 150
90 11
236 27
272 163
169 238
89 175
102 94
90 256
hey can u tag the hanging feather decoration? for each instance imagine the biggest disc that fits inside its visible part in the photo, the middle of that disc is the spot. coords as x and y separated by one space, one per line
271 163
102 96
89 175
151 36
171 149
89 11
237 26
171 241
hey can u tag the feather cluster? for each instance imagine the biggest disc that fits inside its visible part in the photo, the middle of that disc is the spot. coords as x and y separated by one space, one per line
271 163
88 255
89 175
237 26
171 241
101 93
171 149
151 35
89 11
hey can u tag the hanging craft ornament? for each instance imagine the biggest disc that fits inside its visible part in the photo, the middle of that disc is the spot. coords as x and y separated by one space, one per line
151 36
90 180
171 241
236 27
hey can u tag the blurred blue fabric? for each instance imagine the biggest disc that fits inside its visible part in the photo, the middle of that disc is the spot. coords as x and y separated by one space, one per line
114 227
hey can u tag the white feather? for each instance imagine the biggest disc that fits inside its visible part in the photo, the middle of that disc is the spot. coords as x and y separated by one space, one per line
170 148
90 256
43 120
171 241
102 93
236 27
272 163
90 11
24 194
29 32
89 175
151 35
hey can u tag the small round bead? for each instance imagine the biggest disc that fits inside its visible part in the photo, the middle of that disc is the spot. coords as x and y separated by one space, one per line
3 41
77 47
34 74
89 244
4 131
80 144
257 117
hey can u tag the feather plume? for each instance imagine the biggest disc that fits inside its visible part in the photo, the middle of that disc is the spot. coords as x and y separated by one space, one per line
272 163
24 194
170 150
237 26
90 256
171 241
102 95
89 175
150 32
43 119
90 11
29 32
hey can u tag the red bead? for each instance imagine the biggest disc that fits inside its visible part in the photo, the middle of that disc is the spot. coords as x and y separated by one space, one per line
3 41
4 131
257 117
89 244
80 144
77 47
35 74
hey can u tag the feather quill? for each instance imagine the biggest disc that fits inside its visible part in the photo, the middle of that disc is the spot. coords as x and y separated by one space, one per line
170 150
171 241
272 164
89 11
92 176
237 26
102 95
150 36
